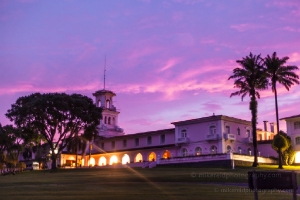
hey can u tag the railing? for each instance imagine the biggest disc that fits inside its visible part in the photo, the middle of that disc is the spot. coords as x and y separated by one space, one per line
229 136
183 140
212 137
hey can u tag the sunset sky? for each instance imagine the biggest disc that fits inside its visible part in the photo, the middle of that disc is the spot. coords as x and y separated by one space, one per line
167 60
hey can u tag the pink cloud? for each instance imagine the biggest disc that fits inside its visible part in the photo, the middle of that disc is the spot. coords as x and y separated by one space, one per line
294 57
170 63
245 27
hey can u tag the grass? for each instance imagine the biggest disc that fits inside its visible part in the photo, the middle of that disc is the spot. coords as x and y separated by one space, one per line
137 183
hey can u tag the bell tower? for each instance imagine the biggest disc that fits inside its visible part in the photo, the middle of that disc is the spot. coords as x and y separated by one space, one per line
109 122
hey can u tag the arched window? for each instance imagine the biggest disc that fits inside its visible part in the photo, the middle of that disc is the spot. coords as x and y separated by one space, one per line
113 121
228 149
212 130
238 131
183 133
99 103
239 150
297 125
107 104
213 149
249 151
297 139
198 151
105 120
109 120
184 152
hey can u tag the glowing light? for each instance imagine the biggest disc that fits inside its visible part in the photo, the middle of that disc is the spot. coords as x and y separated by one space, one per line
91 162
152 156
113 160
125 159
297 157
139 158
102 161
82 161
166 154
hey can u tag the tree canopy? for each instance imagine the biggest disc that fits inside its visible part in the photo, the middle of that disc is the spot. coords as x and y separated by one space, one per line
57 117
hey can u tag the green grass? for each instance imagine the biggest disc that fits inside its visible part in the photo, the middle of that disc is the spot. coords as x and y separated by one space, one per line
137 183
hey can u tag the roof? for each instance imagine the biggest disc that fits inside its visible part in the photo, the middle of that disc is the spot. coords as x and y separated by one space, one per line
291 117
211 118
103 92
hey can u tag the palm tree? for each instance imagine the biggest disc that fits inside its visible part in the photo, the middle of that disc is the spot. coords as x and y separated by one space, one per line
76 145
249 79
284 75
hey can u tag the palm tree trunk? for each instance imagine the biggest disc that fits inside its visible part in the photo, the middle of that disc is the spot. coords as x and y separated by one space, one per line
253 108
276 107
280 159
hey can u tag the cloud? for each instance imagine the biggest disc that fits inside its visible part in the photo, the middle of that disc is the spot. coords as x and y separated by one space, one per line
294 57
245 27
170 63
211 107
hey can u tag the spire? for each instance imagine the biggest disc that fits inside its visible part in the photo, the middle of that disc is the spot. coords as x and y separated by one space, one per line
104 71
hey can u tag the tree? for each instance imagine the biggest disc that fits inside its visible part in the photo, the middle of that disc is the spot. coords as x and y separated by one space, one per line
250 79
90 134
77 144
280 143
55 116
278 72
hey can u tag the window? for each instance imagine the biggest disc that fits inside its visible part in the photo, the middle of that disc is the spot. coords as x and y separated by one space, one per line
198 151
124 143
228 129
99 103
214 149
248 133
105 120
107 104
184 152
228 149
297 125
149 140
137 142
183 133
260 136
162 139
239 150
113 121
297 140
102 145
238 131
212 130
109 120
113 144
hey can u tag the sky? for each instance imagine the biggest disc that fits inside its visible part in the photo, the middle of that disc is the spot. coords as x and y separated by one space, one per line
167 60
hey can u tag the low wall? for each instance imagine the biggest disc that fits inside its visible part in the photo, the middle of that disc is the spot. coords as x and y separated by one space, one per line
248 158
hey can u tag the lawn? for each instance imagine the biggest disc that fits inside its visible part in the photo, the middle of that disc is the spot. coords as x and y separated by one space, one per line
134 183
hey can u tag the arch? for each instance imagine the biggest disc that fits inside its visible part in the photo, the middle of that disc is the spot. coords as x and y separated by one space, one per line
102 161
213 149
107 104
166 154
105 120
228 148
184 152
249 151
125 159
139 158
198 151
152 156
239 150
113 160
113 121
108 120
91 162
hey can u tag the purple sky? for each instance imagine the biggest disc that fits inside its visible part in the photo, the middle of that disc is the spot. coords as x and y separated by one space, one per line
166 60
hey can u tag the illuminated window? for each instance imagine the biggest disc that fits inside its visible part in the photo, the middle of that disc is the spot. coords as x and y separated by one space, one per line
183 133
198 151
212 130
228 129
297 140
238 131
149 140
124 143
184 152
137 142
297 125
162 139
